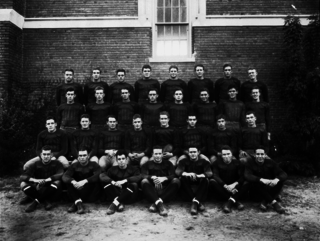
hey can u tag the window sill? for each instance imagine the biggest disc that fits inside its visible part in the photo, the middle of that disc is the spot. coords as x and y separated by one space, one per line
172 59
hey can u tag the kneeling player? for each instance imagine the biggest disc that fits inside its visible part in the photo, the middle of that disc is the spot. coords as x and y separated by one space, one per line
194 170
158 184
121 183
41 180
82 181
227 182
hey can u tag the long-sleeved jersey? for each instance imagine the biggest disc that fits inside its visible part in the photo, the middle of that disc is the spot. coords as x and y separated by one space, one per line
115 91
233 110
150 113
111 140
78 172
179 113
115 173
195 85
138 141
199 166
168 88
206 113
253 137
221 88
124 111
99 112
164 136
162 169
246 89
262 112
86 139
61 93
69 115
228 173
142 87
219 138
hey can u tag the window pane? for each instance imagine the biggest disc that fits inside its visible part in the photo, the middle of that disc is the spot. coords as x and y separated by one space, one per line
168 15
160 3
183 17
182 2
175 48
167 32
175 14
175 3
168 3
160 31
175 31
183 31
167 48
160 15
183 48
160 48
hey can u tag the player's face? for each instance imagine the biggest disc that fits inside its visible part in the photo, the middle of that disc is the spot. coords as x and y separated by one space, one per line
252 74
68 76
46 156
121 76
232 93
70 96
164 120
192 121
85 122
255 94
193 153
83 158
146 73
260 156
199 71
227 72
226 156
112 123
251 119
96 75
51 125
221 123
122 161
99 95
137 123
178 95
157 155
173 73
125 94
153 96
204 96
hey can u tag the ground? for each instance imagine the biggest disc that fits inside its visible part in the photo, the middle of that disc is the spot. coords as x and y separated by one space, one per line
300 197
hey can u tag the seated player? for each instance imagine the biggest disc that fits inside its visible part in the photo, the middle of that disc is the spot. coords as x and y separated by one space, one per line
251 137
82 179
150 110
227 182
41 180
98 110
116 87
125 110
120 183
159 184
178 110
169 86
85 138
219 137
265 179
168 138
138 143
193 170
110 141
205 111
233 109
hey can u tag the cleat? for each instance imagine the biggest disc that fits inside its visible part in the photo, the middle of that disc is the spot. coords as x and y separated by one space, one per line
112 209
153 208
72 209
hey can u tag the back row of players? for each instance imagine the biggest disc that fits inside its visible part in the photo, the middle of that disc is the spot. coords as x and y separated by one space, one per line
159 139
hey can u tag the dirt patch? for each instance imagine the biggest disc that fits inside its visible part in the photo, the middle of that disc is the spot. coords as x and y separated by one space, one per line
301 198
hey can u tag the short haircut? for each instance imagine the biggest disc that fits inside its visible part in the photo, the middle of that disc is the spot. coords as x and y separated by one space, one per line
233 86
255 88
250 112
111 116
70 89
204 89
96 68
226 148
156 147
198 65
121 70
226 65
173 67
69 70
136 116
165 113
46 148
146 66
221 116
83 149
87 116
99 88
178 89
260 148
124 89
121 152
193 147
153 89
51 118
252 68
191 114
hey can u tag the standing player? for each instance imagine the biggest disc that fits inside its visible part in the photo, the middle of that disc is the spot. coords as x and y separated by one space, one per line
90 87
41 180
67 84
169 86
116 87
246 87
120 183
222 84
142 85
197 84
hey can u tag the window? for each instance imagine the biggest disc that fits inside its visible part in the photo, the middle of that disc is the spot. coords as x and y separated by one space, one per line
171 30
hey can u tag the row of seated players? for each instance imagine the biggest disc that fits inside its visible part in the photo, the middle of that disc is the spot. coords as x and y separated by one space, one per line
217 89
158 180
138 141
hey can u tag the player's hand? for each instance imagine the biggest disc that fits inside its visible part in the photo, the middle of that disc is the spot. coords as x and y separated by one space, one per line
274 182
201 176
162 179
158 186
117 184
227 187
167 155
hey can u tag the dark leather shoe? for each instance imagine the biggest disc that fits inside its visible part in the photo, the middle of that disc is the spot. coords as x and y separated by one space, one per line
228 207
263 206
32 207
120 207
239 206
25 200
153 208
80 208
201 207
47 205
112 209
194 208
162 210
278 208
72 209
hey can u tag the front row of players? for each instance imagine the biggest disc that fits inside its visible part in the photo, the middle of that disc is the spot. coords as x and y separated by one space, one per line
226 179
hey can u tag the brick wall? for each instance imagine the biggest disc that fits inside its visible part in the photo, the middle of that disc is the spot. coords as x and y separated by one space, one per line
17 5
10 54
63 8
221 7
